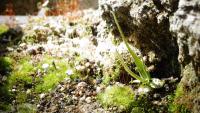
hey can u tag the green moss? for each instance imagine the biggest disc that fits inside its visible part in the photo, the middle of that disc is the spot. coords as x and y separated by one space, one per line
22 72
5 65
21 97
3 28
54 75
5 69
5 106
112 74
26 108
119 96
175 104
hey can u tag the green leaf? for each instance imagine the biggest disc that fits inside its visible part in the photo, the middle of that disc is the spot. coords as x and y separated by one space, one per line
141 67
127 68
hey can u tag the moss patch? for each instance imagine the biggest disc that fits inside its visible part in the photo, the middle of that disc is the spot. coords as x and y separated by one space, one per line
119 96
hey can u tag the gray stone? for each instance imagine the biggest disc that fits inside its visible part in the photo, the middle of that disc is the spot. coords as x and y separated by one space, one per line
146 24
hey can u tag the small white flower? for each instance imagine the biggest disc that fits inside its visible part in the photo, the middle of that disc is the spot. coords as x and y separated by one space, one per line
45 66
69 72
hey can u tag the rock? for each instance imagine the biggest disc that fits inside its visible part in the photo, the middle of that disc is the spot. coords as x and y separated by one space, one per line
98 89
32 51
4 78
143 90
88 100
146 23
82 98
42 95
185 25
23 45
74 97
81 85
87 64
157 83
28 91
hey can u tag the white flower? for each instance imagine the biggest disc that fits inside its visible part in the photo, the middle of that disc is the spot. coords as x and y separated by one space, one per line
69 72
45 66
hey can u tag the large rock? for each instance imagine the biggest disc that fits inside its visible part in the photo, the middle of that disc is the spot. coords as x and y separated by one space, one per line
185 25
167 30
146 22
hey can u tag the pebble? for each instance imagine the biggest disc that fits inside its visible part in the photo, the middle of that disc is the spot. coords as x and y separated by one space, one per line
88 100
74 97
62 89
32 51
87 64
23 45
28 91
13 90
4 78
98 89
82 98
81 84
42 95
143 90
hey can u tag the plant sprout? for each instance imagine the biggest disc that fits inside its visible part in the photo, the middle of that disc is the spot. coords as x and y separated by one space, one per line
144 77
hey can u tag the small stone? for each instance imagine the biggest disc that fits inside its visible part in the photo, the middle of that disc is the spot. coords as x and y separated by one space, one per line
143 90
74 97
28 91
23 45
88 100
87 64
157 83
98 89
156 95
62 89
31 51
98 80
10 49
82 98
151 68
81 84
78 68
80 93
42 95
4 78
38 105
13 90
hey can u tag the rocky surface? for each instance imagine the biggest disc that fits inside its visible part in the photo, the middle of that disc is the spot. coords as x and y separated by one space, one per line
146 23
185 25
164 31
168 29
73 97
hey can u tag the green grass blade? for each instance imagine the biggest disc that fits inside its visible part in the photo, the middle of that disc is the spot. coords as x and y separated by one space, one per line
127 68
142 69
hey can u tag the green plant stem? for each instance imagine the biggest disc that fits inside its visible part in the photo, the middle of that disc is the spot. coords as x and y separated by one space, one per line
127 68
142 69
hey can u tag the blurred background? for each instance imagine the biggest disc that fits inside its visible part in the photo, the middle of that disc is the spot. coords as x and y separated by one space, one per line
51 7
